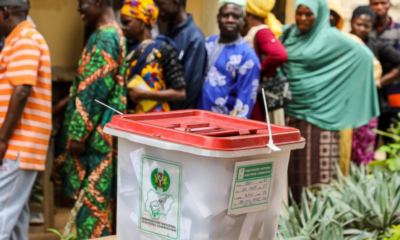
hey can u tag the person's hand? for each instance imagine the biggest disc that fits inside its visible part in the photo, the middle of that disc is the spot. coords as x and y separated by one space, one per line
136 94
57 109
3 149
76 148
378 84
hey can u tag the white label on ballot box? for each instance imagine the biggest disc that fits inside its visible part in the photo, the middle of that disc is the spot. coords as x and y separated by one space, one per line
160 199
251 187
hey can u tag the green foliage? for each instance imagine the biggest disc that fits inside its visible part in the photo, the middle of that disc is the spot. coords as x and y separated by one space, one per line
360 206
392 149
394 233
373 201
71 236
315 218
364 205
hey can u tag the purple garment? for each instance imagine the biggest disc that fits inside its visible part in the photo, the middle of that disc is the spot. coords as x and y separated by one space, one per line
363 146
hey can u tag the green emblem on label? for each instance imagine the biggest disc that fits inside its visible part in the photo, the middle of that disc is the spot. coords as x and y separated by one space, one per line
160 180
158 204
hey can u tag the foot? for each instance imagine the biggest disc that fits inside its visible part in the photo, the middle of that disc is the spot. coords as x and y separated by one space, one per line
36 218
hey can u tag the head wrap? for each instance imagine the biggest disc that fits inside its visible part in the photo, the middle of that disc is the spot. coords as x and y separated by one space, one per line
241 3
330 75
25 4
144 10
262 9
336 6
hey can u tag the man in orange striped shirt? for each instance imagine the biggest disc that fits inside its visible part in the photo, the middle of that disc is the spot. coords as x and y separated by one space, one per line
25 115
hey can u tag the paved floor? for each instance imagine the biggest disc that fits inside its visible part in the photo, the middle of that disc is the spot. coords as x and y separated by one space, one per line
39 233
61 218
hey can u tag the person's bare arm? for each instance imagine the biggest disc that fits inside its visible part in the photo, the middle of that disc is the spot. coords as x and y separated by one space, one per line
168 95
389 78
60 105
392 56
15 109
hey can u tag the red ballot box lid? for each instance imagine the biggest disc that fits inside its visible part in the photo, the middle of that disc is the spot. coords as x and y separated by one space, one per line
205 130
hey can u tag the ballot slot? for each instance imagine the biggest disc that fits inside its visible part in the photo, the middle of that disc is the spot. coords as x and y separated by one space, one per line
213 130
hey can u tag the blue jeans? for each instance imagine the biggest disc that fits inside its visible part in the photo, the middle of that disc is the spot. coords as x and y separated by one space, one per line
15 188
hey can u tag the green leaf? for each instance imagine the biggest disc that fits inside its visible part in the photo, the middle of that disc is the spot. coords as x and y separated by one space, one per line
394 146
376 164
393 164
386 134
304 206
55 231
358 232
298 238
71 236
384 148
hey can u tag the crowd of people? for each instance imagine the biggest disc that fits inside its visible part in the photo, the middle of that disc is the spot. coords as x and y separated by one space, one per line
343 85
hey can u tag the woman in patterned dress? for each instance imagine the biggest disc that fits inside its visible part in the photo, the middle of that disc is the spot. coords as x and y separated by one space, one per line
89 156
154 73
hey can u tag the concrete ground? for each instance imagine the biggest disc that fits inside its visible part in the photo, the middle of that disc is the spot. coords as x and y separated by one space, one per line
60 219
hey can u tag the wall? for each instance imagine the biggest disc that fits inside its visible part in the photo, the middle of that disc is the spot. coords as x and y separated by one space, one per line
209 17
194 7
61 25
205 15
290 11
348 7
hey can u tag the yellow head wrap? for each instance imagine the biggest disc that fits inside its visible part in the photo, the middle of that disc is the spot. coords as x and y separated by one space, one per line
336 6
144 10
262 9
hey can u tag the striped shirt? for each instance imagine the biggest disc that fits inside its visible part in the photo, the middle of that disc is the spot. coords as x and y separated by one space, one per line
390 34
25 60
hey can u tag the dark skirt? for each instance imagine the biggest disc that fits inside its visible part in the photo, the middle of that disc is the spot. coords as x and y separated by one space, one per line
315 163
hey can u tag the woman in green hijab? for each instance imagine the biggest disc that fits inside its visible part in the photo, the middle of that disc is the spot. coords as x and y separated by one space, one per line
332 82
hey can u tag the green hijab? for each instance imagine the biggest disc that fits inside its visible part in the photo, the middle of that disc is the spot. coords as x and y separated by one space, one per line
330 75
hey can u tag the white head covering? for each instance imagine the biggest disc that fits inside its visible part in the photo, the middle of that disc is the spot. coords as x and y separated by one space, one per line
241 3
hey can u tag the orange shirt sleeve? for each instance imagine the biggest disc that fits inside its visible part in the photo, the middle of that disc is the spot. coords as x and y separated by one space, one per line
23 64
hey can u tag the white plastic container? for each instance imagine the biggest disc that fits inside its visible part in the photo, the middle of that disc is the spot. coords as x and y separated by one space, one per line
193 201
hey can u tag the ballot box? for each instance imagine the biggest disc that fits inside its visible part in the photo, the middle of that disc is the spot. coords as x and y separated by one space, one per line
197 175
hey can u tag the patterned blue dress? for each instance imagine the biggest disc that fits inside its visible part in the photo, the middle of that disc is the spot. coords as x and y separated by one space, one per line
232 80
